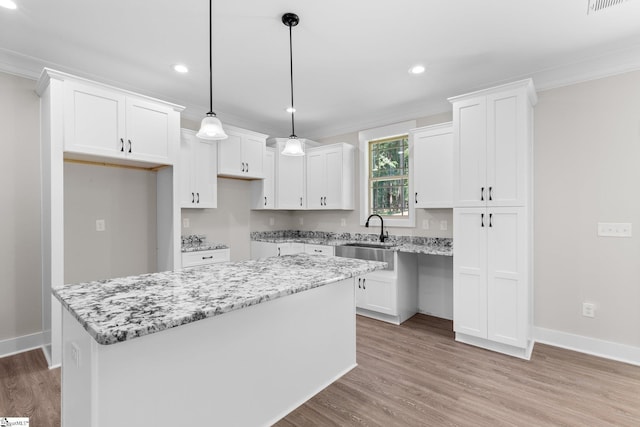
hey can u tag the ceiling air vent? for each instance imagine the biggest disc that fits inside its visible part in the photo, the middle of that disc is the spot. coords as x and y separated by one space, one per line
598 5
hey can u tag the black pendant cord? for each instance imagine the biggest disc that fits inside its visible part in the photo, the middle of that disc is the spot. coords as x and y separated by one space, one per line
210 113
293 128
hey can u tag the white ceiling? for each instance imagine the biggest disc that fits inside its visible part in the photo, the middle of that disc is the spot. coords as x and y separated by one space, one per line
350 57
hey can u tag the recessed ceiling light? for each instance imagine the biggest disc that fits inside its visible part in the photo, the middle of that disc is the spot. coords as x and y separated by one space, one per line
291 110
178 67
417 69
8 4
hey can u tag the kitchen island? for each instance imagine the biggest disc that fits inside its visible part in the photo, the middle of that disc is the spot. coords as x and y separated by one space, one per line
239 344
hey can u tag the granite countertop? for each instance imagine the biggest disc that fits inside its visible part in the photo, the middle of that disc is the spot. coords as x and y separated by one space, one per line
122 309
409 244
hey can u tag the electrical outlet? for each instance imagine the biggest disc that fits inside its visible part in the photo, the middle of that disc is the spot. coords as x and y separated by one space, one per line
271 221
444 225
343 222
75 354
614 229
301 221
100 225
186 223
425 224
588 309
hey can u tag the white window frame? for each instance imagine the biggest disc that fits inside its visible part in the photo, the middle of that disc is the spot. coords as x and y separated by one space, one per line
364 137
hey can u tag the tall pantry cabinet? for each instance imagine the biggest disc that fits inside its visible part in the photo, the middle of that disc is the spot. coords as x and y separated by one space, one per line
492 218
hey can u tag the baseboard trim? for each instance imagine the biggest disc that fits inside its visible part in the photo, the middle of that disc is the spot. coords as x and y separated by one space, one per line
17 345
595 347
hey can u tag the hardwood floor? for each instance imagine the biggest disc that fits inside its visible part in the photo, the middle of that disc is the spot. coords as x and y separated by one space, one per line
413 375
417 375
29 389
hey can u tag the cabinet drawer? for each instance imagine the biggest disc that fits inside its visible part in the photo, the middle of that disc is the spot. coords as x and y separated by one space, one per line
319 250
190 259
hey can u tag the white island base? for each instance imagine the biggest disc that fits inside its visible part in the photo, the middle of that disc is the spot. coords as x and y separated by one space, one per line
248 367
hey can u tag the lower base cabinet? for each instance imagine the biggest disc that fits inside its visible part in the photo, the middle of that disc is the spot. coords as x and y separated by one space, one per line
377 294
269 249
192 259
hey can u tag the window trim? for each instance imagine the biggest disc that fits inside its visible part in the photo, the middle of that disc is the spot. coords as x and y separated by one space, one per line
390 131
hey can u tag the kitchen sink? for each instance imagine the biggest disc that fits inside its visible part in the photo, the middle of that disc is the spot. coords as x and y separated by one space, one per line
369 251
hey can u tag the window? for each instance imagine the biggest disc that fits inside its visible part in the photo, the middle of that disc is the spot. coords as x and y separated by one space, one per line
385 183
389 176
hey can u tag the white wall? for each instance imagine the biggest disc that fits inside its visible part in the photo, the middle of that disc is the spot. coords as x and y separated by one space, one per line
587 170
126 200
20 217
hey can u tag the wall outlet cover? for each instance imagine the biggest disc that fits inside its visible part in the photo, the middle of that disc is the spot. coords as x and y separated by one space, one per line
425 224
343 222
444 225
186 223
588 309
101 225
271 221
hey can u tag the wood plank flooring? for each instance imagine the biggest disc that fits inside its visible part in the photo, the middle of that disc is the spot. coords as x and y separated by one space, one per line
413 375
29 389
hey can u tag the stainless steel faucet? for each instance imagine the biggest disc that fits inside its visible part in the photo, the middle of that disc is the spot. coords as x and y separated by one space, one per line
383 236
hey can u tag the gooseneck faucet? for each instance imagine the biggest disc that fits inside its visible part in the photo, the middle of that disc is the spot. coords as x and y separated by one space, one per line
382 234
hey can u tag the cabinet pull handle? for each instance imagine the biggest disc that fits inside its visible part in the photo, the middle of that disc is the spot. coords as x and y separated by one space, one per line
300 201
364 282
325 200
208 257
359 281
490 193
198 194
490 220
247 168
481 220
317 250
129 144
278 251
193 197
265 200
242 166
122 145
482 194
416 198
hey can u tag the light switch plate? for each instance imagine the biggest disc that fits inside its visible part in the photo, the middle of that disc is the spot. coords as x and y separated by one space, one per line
100 225
343 222
425 224
271 221
186 223
614 229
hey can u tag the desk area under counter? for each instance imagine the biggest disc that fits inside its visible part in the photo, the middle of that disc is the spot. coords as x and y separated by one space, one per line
205 343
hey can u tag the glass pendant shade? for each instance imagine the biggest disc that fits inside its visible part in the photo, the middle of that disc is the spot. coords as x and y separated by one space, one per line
211 129
293 147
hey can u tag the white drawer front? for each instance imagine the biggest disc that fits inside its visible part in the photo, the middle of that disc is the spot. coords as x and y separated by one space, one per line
319 250
190 259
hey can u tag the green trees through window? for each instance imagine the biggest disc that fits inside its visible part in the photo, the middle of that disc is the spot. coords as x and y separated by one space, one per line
389 176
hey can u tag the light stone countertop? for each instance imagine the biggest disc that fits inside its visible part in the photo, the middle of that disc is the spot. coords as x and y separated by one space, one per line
122 309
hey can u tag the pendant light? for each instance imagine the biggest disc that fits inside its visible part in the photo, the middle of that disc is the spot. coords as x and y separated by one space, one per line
211 127
293 146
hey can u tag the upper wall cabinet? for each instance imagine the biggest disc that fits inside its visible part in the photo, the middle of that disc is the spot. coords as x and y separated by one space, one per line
330 176
263 190
104 122
198 172
492 130
241 155
290 179
431 159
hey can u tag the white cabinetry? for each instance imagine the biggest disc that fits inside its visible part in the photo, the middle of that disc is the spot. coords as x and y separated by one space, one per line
492 218
290 189
432 165
263 190
198 176
192 259
330 177
269 249
241 154
319 249
378 294
104 122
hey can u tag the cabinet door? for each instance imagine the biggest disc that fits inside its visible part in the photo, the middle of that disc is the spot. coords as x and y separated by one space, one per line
94 121
148 134
263 190
290 248
470 142
507 117
252 156
290 182
334 179
316 178
470 271
230 160
360 300
187 191
205 174
433 167
507 273
379 295
319 249
263 249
